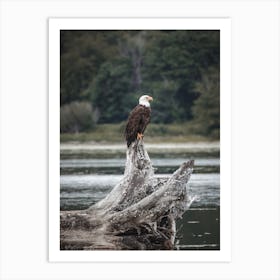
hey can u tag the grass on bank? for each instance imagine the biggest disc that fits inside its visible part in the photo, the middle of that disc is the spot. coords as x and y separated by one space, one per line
155 133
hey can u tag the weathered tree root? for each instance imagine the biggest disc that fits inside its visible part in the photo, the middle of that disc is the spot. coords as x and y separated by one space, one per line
138 214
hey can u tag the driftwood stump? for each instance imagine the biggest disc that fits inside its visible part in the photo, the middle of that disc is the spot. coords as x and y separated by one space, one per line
138 214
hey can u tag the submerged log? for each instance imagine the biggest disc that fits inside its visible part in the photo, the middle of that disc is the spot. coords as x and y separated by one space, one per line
138 214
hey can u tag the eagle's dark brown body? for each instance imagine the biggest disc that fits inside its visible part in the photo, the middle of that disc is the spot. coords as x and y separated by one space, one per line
137 122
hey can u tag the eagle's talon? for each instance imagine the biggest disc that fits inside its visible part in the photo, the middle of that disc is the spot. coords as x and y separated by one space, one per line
139 136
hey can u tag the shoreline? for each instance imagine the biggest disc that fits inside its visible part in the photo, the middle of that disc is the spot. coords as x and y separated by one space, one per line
94 146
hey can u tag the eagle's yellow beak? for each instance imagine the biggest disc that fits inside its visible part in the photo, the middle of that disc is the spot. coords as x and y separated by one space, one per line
150 98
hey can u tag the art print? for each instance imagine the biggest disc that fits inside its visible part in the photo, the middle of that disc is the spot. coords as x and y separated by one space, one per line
139 116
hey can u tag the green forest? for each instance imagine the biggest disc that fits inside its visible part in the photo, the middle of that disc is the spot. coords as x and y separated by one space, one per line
103 73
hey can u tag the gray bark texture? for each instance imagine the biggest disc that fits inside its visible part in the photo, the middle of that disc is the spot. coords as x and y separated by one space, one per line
138 214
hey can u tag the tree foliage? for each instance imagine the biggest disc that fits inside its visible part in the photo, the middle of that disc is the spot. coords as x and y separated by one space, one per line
111 69
77 116
208 122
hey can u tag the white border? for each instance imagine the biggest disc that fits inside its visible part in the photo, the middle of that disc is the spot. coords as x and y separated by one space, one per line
55 25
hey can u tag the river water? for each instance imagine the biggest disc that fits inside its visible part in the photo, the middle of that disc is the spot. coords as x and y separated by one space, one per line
87 175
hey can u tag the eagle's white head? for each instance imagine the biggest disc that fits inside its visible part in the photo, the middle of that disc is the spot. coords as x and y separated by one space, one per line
145 100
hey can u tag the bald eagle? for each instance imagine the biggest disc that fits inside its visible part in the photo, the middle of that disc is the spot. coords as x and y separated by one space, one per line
138 120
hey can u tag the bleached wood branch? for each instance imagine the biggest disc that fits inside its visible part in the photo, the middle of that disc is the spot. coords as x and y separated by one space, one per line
139 213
